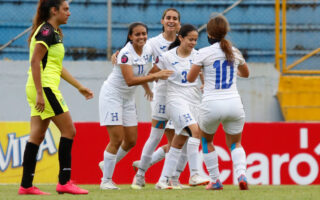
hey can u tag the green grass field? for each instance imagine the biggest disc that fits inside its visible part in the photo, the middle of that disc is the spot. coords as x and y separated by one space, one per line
149 193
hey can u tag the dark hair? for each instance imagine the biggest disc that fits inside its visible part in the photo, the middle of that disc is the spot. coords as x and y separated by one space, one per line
43 14
131 27
185 29
218 27
165 13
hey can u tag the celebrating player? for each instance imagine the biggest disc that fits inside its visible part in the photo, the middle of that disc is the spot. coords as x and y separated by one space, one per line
221 101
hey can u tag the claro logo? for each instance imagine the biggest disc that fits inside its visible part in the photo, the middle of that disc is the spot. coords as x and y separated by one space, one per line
16 146
260 163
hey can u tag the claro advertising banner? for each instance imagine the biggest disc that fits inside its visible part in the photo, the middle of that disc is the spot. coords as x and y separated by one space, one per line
277 153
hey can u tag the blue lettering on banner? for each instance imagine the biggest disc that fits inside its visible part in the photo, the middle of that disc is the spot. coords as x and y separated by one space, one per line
16 146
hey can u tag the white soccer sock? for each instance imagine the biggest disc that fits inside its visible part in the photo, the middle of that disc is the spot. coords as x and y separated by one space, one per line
170 164
202 171
193 155
239 160
109 165
182 161
157 156
120 154
149 147
211 160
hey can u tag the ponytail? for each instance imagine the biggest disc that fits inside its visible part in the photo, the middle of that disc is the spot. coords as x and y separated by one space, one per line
174 43
218 28
43 15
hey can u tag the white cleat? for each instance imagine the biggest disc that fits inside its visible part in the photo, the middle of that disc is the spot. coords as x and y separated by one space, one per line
196 180
101 165
176 185
138 182
108 185
163 185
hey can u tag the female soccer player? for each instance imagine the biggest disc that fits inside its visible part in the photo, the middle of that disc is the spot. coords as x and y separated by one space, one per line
160 44
44 97
116 101
182 99
221 101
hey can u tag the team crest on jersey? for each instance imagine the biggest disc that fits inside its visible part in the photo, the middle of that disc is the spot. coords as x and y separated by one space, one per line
45 31
124 59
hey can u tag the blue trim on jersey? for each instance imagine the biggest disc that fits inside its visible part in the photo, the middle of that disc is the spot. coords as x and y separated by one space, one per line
233 146
204 145
161 123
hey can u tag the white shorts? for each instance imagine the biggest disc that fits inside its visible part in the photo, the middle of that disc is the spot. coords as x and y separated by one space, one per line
169 125
116 110
180 112
159 108
229 112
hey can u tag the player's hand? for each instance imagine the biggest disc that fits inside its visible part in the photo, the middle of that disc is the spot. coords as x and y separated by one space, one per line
86 92
163 74
114 57
39 103
149 95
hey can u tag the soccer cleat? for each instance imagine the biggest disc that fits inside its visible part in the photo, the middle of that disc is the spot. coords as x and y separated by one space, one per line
108 185
164 185
176 185
196 180
31 190
243 183
70 188
215 186
101 165
138 182
135 165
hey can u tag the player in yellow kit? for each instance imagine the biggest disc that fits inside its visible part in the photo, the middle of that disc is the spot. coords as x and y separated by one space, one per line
45 99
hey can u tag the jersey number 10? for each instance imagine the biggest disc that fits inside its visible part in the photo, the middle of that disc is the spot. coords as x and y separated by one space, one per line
221 74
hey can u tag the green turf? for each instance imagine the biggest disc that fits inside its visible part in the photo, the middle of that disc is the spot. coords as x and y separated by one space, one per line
149 193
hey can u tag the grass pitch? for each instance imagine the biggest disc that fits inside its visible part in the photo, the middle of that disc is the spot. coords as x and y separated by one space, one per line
230 192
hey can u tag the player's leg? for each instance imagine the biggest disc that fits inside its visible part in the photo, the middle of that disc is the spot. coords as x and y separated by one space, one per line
193 156
233 128
38 128
211 160
116 136
171 161
156 134
65 125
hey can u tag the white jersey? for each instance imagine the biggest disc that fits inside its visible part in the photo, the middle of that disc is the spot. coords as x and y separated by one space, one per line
177 85
159 45
128 56
219 75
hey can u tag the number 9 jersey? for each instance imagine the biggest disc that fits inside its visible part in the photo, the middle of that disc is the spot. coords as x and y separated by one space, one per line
219 74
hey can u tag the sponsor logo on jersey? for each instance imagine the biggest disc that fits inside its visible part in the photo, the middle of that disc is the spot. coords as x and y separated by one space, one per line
163 47
124 59
45 31
174 63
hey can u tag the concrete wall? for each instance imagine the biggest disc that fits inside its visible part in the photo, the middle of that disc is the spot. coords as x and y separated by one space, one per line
257 92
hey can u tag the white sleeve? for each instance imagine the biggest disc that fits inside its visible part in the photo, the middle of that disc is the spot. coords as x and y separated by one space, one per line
124 58
160 62
238 55
198 59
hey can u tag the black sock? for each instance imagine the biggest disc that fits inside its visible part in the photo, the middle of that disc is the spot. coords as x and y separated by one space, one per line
29 164
65 147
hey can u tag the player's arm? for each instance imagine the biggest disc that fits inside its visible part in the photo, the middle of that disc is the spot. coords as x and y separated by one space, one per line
39 51
193 73
132 80
243 70
87 93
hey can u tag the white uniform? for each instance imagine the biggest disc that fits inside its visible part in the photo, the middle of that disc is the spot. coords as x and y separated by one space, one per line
221 101
159 45
116 100
183 97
